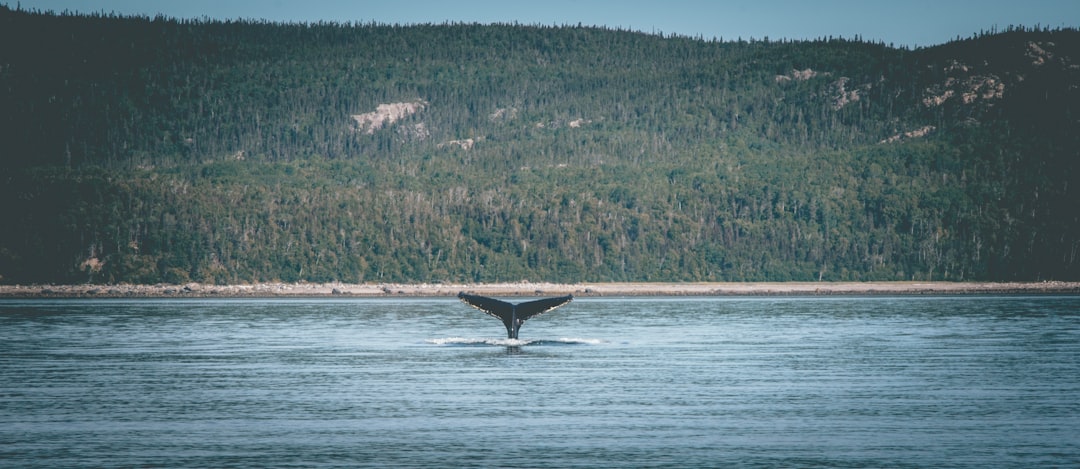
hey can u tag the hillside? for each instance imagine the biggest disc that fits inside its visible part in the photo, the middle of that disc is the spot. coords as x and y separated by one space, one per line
146 150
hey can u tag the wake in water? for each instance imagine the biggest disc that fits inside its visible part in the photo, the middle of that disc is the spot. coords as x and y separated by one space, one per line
462 341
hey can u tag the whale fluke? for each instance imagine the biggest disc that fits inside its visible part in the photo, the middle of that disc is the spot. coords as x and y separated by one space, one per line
513 315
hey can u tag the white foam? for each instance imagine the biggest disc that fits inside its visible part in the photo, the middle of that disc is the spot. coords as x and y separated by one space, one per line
511 342
455 341
471 341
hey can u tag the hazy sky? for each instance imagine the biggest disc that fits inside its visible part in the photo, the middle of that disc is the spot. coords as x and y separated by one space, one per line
910 23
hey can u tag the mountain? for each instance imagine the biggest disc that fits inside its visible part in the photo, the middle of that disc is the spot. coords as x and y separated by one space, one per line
148 150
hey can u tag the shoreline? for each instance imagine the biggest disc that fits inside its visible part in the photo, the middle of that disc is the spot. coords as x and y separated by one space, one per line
597 289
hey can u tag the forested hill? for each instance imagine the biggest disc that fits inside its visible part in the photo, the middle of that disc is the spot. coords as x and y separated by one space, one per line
148 150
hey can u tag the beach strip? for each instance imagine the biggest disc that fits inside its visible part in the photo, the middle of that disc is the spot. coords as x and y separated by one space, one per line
524 288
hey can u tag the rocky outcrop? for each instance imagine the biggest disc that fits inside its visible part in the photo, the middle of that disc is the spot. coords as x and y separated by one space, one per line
843 94
503 113
555 124
464 144
386 114
985 88
920 132
798 75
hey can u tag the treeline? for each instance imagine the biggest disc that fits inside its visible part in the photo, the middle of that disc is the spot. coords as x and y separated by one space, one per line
150 150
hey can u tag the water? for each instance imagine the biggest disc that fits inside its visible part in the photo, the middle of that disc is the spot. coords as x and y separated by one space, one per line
642 382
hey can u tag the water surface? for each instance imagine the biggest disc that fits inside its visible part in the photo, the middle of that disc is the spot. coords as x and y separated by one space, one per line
852 381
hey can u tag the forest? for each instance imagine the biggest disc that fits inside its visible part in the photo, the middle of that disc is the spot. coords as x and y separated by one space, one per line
161 150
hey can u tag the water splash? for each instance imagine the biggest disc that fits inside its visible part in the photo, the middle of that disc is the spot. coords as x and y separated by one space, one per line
463 341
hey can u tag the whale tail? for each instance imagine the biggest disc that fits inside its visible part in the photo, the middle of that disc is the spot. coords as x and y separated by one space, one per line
513 315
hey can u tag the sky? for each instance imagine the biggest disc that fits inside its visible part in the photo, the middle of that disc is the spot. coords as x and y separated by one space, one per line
903 23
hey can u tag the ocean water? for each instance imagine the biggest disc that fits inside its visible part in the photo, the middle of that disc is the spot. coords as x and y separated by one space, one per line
602 382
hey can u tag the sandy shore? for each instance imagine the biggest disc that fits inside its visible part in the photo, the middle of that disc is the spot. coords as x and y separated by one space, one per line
195 290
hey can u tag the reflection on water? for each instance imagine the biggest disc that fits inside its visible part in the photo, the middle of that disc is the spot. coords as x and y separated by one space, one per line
886 382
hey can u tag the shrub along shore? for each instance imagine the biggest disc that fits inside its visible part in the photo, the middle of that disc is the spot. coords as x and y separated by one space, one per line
274 290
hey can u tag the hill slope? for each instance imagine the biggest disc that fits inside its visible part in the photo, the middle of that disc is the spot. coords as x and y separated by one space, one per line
147 150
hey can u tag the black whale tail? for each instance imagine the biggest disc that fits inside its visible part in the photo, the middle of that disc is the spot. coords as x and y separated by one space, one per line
513 315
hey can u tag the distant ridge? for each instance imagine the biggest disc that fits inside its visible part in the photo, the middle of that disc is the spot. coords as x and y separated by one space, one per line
153 150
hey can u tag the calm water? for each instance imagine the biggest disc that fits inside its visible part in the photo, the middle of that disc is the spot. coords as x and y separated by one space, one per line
957 381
